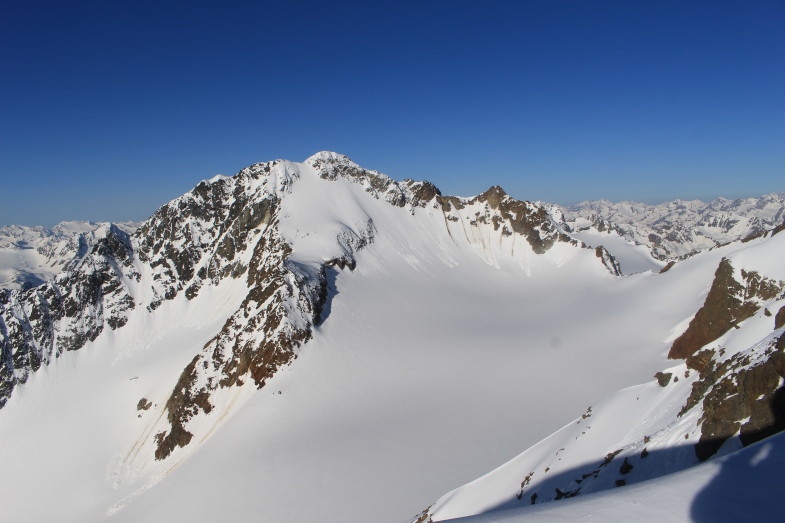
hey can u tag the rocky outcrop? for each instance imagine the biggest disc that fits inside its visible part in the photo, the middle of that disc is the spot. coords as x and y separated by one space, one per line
779 319
284 301
608 260
738 394
728 302
519 217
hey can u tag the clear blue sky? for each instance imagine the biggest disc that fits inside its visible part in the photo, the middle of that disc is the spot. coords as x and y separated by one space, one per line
109 109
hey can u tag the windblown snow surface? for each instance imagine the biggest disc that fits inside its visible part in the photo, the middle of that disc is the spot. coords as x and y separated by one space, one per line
444 354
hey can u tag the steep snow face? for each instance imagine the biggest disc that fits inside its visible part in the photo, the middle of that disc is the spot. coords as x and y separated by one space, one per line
726 394
674 230
30 256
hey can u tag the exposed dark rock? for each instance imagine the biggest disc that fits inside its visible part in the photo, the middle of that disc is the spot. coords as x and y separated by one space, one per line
779 319
144 404
626 467
568 494
608 260
663 378
239 351
525 483
524 218
423 192
342 263
727 303
739 398
609 457
778 229
754 235
668 267
424 516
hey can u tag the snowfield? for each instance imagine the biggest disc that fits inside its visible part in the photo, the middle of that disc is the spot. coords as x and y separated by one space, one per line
451 347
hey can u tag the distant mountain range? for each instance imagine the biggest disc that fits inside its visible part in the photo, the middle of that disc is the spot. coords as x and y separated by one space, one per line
31 256
316 341
677 229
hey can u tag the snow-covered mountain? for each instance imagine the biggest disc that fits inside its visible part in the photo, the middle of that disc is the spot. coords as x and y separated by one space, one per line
30 256
677 229
316 341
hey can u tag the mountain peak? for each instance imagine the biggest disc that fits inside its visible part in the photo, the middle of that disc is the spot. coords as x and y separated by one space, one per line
328 157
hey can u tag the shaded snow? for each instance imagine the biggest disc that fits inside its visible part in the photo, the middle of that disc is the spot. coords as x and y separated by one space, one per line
742 486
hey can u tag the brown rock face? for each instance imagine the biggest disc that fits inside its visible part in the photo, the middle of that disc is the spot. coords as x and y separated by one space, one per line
779 228
779 319
253 344
728 303
663 378
750 395
530 221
